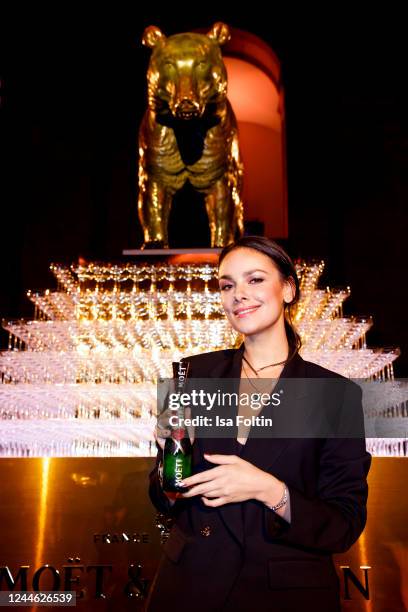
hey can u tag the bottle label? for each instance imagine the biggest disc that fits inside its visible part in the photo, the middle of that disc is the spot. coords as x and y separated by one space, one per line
177 455
178 472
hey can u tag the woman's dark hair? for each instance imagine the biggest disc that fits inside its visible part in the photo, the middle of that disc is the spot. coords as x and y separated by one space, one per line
287 272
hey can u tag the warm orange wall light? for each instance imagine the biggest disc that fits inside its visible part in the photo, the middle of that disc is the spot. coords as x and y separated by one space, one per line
257 97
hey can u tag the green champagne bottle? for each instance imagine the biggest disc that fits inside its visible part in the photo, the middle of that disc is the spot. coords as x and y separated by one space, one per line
178 451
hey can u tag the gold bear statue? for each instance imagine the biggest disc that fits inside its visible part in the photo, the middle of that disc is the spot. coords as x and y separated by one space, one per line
189 133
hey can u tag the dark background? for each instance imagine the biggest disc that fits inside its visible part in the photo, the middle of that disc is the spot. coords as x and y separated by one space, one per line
73 93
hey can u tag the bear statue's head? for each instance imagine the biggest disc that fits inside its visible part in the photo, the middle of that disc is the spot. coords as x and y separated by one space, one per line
186 72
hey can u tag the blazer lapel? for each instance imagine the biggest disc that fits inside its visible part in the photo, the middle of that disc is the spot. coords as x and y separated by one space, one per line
231 514
229 368
262 452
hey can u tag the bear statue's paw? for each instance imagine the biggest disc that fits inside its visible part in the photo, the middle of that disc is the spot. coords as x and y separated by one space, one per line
154 244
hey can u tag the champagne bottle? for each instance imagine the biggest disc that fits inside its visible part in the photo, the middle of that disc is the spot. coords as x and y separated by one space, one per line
177 454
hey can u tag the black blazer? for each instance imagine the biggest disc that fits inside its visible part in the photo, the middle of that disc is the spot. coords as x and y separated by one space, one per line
241 555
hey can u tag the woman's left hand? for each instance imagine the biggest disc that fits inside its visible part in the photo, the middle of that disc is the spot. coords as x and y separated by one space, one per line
233 480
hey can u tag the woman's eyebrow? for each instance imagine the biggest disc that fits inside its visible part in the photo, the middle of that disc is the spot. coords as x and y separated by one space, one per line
245 273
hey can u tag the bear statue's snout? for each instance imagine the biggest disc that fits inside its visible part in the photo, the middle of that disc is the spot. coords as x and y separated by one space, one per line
187 109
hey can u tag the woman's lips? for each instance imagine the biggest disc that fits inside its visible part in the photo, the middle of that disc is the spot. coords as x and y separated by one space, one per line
244 312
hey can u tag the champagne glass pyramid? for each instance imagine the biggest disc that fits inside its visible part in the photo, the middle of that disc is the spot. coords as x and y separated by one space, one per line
87 364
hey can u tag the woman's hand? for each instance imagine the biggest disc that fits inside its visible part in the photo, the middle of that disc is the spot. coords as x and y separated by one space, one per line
163 427
233 480
158 436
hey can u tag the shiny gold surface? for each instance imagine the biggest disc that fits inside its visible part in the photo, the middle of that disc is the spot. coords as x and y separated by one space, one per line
42 510
187 103
77 513
383 546
74 514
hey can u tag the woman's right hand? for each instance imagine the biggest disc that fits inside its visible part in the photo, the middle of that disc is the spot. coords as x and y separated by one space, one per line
163 427
158 436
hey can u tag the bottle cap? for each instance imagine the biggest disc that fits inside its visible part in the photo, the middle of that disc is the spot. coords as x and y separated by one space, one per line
178 434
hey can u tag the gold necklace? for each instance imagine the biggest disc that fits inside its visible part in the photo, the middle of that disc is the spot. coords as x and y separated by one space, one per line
264 367
251 383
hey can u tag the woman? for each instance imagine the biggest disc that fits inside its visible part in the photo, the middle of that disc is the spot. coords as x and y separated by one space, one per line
261 516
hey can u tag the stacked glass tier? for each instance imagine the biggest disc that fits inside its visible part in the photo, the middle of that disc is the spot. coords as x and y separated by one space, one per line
80 378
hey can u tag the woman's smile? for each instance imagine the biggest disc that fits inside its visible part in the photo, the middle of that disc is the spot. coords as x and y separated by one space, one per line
245 311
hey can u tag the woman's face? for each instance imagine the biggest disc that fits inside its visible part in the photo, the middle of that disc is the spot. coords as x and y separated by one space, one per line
252 292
